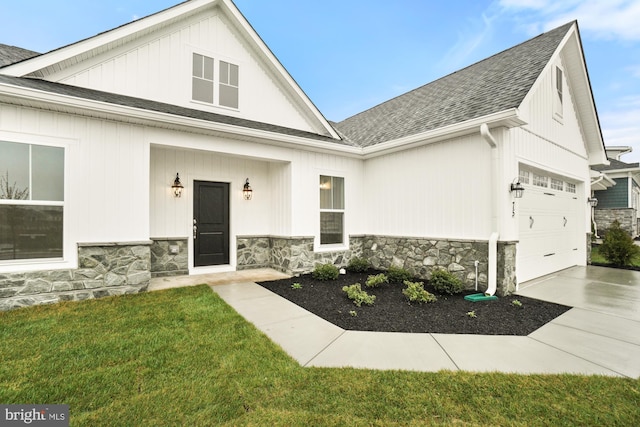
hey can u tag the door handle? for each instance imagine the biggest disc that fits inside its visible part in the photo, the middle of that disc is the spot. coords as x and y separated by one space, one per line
195 229
565 221
531 221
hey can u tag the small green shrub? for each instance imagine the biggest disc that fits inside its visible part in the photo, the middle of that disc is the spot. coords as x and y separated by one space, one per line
415 292
445 282
296 286
358 265
325 272
375 281
516 303
353 313
355 293
472 314
617 246
398 274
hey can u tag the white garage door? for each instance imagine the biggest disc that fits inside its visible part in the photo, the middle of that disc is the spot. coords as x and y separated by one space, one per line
550 226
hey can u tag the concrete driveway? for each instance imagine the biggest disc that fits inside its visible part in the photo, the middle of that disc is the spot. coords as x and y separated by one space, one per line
599 336
604 325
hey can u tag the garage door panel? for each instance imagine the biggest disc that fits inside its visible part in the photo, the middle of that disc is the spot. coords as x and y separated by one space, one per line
549 226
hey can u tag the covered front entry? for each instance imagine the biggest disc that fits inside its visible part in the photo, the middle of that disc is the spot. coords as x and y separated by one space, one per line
210 223
549 232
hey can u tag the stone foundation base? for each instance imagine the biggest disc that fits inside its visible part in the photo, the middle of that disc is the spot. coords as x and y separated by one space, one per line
420 256
169 257
103 270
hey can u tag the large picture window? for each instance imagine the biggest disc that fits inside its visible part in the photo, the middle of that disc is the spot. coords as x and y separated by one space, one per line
31 201
331 210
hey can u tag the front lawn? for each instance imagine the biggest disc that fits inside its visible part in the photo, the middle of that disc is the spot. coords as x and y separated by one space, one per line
183 357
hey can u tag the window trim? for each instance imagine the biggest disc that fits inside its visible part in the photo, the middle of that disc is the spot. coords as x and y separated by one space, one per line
327 247
69 257
558 93
216 82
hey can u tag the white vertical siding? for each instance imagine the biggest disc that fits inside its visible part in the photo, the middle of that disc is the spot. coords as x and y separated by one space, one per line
158 67
437 190
106 173
305 191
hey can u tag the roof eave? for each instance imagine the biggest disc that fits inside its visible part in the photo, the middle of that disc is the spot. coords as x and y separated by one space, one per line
508 118
102 110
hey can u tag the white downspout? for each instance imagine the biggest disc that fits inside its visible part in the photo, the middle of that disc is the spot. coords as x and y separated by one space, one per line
591 208
493 239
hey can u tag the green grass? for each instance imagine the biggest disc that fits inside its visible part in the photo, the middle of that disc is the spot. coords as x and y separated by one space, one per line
183 357
598 258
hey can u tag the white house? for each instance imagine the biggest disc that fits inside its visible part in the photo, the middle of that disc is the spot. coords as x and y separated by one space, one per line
93 134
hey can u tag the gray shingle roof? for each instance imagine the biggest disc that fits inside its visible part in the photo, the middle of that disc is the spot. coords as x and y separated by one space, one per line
495 84
615 165
12 54
145 104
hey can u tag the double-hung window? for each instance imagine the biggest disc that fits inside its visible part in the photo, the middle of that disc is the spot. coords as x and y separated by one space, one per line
228 85
331 210
204 82
31 201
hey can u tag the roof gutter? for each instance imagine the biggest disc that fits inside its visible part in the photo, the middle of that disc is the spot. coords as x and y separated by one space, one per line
507 118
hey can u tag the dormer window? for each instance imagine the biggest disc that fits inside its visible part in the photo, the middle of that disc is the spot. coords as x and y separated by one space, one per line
204 82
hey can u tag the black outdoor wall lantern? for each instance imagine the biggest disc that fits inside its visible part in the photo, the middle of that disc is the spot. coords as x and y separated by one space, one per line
177 187
247 192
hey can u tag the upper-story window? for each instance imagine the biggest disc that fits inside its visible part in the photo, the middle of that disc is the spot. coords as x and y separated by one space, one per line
205 81
559 93
31 201
228 84
202 87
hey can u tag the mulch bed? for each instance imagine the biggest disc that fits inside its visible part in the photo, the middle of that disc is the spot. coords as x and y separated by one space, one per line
392 312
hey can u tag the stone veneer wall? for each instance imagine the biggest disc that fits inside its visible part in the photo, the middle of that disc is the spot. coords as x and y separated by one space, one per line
295 255
103 269
169 257
626 217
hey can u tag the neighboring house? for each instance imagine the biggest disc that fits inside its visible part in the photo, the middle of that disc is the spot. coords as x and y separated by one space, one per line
97 131
621 200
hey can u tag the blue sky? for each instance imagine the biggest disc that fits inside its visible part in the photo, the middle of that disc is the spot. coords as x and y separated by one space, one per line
351 55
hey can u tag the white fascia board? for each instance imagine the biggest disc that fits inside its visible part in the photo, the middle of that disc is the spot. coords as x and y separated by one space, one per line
622 173
45 60
102 110
508 118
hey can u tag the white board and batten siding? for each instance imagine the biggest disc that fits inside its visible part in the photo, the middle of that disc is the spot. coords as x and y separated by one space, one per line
106 175
285 189
439 190
553 223
159 67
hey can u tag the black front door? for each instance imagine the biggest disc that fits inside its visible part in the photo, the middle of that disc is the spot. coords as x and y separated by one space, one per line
210 223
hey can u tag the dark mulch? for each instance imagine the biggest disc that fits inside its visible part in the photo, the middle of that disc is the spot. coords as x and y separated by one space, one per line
391 311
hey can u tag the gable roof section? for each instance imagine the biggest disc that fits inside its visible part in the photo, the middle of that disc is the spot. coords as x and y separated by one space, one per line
496 84
66 56
12 54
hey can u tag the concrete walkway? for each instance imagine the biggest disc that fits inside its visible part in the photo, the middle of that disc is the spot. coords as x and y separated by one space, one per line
599 336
